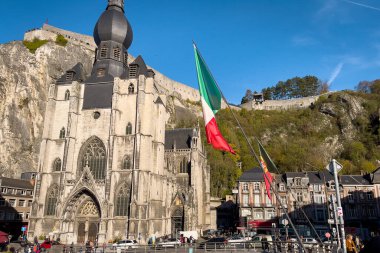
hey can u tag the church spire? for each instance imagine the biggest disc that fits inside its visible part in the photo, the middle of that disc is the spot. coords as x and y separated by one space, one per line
112 4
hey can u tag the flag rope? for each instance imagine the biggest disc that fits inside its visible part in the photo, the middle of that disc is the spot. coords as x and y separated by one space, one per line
253 152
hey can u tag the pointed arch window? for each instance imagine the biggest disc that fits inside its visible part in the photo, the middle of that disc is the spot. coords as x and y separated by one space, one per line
131 89
129 128
183 166
62 133
127 164
93 155
57 164
122 201
51 201
67 95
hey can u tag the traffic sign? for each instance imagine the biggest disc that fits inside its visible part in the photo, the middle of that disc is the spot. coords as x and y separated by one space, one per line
330 167
339 211
328 235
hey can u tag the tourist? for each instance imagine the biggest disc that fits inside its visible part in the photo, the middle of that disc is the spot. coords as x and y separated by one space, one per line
350 245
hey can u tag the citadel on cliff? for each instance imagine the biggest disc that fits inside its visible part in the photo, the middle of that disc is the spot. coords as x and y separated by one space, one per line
108 167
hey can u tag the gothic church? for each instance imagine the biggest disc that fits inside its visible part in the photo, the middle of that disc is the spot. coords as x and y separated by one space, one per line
108 168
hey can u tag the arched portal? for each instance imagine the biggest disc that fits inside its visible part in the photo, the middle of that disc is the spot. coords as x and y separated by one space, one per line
177 221
81 217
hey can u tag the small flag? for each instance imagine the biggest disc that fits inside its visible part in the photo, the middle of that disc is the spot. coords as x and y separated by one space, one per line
211 99
264 160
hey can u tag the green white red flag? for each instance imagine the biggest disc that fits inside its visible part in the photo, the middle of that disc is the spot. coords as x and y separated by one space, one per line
211 99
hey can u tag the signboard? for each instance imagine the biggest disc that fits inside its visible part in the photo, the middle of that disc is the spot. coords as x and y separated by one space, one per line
235 191
328 235
339 211
330 221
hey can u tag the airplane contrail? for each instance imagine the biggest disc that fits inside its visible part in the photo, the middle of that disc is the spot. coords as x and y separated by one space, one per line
362 5
335 73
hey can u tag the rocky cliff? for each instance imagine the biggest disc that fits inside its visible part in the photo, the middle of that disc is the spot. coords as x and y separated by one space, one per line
24 79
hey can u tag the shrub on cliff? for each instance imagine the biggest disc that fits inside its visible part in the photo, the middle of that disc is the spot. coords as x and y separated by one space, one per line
61 40
34 44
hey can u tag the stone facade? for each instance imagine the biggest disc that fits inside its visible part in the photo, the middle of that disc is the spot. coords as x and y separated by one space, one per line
309 192
107 167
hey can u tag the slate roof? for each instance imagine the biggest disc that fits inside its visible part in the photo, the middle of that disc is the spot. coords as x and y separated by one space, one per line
319 177
255 174
16 183
78 75
354 180
180 138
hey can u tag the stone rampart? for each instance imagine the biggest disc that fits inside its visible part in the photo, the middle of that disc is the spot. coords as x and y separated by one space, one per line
48 32
295 103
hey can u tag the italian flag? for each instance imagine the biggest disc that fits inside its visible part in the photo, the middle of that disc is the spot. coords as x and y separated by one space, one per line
211 99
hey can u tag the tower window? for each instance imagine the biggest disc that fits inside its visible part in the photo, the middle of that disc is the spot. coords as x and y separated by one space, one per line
125 60
62 133
116 53
57 164
183 166
129 128
67 95
127 165
133 71
122 201
100 72
103 52
51 201
131 89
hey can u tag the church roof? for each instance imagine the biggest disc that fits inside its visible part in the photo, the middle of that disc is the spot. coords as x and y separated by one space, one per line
178 138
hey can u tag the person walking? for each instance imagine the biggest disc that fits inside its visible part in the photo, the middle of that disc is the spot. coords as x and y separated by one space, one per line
350 245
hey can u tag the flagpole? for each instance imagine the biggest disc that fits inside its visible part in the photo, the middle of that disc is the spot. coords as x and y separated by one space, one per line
256 157
288 187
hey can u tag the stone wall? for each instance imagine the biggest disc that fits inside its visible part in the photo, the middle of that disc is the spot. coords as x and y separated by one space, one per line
295 103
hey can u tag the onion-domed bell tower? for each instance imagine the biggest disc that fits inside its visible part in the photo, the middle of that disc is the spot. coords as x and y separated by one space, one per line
113 35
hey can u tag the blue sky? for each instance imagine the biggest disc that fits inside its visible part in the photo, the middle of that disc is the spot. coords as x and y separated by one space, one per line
246 43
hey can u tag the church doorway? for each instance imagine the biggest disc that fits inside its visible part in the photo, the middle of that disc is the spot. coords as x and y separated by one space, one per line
87 221
177 222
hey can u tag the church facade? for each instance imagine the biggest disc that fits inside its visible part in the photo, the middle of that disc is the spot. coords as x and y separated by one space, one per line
108 168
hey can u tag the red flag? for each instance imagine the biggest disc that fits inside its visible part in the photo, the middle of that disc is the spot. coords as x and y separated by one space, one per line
267 176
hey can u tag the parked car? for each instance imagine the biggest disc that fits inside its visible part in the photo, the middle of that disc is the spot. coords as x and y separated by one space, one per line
169 243
45 245
125 244
309 242
256 241
236 240
214 243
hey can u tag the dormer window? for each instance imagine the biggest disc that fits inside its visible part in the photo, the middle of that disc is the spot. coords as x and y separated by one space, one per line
297 181
100 72
103 52
116 53
69 76
133 71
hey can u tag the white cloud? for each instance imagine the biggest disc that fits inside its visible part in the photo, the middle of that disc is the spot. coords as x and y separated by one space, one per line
362 5
335 73
300 40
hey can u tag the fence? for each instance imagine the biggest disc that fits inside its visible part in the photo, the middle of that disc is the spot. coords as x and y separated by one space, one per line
254 247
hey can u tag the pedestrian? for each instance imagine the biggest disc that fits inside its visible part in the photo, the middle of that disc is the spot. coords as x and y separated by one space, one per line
264 243
350 245
72 248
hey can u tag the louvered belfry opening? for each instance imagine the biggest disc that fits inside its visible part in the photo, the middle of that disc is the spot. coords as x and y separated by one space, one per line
133 71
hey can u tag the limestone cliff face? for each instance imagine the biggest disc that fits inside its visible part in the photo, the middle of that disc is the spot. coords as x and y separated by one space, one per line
24 80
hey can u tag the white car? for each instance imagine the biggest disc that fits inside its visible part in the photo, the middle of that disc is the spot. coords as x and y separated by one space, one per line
170 243
309 242
236 240
125 244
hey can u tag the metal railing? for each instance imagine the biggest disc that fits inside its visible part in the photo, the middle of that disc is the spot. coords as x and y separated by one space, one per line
248 246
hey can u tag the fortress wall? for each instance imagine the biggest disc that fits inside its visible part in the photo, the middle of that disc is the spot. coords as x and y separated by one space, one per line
295 103
48 32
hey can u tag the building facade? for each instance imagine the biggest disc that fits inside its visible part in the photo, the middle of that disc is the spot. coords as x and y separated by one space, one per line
107 167
16 199
305 196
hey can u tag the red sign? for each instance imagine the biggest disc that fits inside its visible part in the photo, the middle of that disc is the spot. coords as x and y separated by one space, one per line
260 224
327 235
